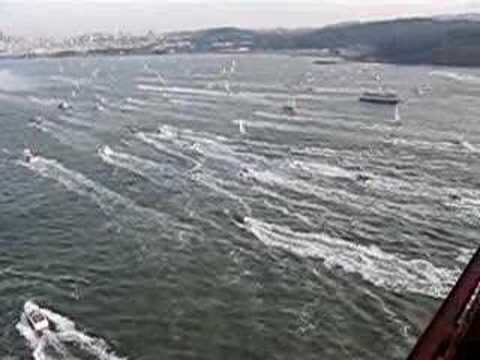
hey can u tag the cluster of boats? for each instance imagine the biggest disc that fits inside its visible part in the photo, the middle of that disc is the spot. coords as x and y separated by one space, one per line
381 96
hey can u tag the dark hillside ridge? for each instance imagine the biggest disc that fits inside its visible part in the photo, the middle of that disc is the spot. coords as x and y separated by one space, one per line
405 41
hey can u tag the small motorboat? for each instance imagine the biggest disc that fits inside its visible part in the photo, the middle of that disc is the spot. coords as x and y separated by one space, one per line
455 197
104 150
238 218
380 97
363 178
28 155
36 319
289 110
64 105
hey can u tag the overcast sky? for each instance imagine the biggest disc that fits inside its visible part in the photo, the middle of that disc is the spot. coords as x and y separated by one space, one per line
65 17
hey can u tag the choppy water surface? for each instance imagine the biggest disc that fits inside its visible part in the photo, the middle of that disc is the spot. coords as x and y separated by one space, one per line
174 211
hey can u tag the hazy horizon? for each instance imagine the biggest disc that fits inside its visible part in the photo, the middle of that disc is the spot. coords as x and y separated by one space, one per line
46 18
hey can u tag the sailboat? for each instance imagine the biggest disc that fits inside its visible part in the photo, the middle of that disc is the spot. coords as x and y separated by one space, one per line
242 127
291 107
397 117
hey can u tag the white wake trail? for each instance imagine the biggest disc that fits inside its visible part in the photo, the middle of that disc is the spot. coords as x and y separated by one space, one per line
151 170
110 202
382 269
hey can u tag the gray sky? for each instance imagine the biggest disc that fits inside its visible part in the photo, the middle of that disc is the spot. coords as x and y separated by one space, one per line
65 17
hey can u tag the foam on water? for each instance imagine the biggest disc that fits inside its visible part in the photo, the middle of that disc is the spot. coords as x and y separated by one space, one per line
167 132
292 176
110 202
216 185
197 103
66 136
382 269
465 255
322 169
158 142
54 344
285 127
471 148
465 78
290 213
135 101
151 170
10 81
128 108
74 81
253 97
269 178
338 120
210 146
427 145
45 101
180 90
74 121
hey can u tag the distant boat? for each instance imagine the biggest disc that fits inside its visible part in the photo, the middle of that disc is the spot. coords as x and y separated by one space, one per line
380 97
328 61
64 105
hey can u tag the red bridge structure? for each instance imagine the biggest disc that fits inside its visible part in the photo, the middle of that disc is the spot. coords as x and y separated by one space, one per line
454 332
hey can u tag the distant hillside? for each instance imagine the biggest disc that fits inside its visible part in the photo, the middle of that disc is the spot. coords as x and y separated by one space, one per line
443 40
405 41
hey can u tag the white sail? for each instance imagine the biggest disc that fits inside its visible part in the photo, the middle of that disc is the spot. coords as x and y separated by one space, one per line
397 113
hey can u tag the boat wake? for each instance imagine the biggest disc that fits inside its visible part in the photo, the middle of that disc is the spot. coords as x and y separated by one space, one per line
154 172
64 341
110 202
157 142
66 136
382 269
319 169
465 78
48 102
74 121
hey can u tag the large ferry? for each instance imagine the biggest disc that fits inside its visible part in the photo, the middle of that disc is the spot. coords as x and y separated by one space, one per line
380 97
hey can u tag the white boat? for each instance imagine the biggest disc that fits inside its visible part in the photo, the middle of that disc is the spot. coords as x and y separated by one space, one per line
64 105
28 155
380 97
36 319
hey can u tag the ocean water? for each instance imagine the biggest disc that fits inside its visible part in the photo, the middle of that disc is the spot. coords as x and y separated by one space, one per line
174 211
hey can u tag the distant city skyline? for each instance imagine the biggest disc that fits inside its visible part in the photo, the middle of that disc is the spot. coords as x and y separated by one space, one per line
59 18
